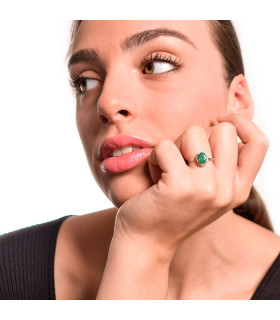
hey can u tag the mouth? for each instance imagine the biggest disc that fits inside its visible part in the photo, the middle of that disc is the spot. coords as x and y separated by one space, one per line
120 151
123 152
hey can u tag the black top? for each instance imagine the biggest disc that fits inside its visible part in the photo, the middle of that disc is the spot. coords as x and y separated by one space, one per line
27 265
27 262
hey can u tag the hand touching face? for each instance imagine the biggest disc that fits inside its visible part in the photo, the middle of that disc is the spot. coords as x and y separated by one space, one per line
151 79
186 198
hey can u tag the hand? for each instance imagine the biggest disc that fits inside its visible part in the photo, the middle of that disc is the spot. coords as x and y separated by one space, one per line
186 198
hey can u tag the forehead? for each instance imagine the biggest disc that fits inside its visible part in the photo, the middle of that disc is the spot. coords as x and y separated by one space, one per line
109 34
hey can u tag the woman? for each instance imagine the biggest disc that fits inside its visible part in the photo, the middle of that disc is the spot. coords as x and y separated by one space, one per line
149 102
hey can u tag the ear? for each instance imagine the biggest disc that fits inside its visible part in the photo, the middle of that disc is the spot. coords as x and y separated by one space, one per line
240 100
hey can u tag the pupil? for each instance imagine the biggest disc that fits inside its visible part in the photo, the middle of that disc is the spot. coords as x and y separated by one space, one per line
83 85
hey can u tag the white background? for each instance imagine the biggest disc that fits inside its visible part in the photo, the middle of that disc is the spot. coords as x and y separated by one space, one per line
43 169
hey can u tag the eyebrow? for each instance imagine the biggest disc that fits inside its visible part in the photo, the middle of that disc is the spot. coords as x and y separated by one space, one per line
141 38
129 43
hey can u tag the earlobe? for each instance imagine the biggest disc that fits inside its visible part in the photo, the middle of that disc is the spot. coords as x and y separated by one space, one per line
240 100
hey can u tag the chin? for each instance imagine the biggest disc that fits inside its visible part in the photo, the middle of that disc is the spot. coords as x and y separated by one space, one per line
123 186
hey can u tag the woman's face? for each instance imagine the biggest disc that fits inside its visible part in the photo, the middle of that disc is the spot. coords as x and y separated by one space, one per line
134 93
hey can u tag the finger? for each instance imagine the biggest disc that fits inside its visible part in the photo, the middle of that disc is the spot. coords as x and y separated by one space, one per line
167 156
193 141
240 146
254 148
223 142
209 131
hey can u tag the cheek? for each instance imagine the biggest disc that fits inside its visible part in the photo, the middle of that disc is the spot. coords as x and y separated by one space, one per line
186 103
88 130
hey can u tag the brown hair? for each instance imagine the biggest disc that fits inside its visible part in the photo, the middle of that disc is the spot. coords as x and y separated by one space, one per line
226 41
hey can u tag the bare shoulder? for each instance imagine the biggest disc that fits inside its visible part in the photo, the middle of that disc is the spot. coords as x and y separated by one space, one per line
81 253
270 240
263 238
267 250
87 224
263 247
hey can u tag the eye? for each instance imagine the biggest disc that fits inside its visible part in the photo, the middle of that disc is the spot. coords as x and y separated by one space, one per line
82 84
155 67
157 63
85 84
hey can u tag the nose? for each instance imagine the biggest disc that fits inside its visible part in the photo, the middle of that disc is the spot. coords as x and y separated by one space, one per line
117 101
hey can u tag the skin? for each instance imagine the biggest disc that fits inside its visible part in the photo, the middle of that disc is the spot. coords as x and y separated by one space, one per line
190 88
177 112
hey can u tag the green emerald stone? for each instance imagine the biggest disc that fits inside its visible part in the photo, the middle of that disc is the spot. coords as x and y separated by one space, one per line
201 158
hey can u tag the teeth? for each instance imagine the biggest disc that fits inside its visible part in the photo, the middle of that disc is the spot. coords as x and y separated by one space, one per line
126 150
117 152
120 151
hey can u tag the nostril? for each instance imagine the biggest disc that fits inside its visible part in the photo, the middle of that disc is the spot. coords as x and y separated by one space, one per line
111 118
124 112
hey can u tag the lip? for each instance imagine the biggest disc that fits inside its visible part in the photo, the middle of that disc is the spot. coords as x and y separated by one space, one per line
121 141
125 161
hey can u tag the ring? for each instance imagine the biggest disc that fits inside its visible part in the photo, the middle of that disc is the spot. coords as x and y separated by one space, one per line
201 159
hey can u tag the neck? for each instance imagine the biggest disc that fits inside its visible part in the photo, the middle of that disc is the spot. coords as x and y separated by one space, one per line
216 250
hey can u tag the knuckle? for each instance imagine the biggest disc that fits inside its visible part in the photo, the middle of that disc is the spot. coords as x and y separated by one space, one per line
263 141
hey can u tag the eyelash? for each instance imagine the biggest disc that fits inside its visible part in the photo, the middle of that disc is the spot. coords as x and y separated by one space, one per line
76 79
75 82
160 57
